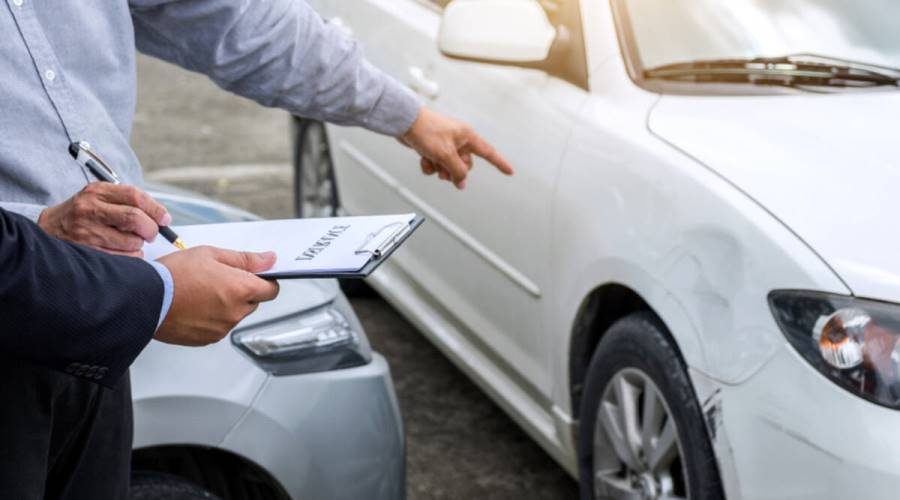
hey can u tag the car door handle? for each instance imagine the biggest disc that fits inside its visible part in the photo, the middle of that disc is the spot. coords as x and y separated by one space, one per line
421 84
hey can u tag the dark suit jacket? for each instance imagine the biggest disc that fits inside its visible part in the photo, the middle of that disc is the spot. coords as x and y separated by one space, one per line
72 308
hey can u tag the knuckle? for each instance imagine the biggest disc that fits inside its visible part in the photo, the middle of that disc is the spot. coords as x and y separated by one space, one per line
81 233
129 218
133 195
248 290
235 315
246 260
81 205
205 252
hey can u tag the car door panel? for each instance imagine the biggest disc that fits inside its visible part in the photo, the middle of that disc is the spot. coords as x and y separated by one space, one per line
484 251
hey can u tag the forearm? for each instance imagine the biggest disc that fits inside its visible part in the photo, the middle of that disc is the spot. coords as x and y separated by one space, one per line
62 304
279 53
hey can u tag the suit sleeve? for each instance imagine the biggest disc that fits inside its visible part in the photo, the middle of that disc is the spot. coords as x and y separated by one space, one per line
72 308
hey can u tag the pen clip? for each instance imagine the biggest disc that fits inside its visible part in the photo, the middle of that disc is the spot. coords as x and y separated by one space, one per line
83 154
376 248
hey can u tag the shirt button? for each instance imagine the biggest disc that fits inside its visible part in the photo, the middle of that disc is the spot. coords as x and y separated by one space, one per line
49 74
17 3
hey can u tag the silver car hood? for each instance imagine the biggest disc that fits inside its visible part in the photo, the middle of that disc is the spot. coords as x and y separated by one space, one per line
295 296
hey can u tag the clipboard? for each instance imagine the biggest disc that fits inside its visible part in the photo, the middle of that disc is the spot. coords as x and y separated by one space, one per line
331 247
385 243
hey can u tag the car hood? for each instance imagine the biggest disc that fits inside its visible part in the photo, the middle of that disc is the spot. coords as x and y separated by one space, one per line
295 296
825 165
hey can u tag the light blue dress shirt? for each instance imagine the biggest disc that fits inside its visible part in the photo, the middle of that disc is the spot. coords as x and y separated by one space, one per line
168 291
68 74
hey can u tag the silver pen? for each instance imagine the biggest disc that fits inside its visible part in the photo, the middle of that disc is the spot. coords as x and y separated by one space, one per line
84 155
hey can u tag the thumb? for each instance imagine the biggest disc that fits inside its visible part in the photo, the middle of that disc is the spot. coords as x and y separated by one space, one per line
253 262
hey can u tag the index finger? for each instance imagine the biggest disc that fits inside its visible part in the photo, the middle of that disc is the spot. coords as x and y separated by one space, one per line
483 149
264 290
254 289
130 195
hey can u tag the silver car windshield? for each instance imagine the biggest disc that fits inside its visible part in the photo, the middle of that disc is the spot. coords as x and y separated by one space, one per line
677 31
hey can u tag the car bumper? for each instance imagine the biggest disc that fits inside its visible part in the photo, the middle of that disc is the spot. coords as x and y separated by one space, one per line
335 434
795 434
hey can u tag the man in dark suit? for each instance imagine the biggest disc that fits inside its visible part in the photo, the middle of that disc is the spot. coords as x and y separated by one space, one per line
68 308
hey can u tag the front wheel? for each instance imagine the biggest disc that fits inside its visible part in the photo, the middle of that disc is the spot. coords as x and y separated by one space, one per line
642 434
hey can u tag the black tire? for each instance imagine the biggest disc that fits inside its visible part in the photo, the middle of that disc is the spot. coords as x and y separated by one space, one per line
635 344
302 130
151 485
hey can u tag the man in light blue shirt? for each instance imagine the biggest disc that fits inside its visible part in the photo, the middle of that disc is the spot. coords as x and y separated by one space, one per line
68 74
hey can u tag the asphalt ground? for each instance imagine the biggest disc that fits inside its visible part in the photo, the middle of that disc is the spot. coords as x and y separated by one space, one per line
460 445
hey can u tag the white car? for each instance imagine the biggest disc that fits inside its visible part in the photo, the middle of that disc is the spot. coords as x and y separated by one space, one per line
691 287
294 404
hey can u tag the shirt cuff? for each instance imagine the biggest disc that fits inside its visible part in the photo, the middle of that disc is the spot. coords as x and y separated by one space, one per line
396 109
168 290
29 210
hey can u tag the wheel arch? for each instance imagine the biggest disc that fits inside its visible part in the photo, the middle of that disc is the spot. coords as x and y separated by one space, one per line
620 288
599 310
220 471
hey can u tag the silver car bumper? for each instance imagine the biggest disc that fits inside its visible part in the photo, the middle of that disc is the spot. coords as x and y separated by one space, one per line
334 435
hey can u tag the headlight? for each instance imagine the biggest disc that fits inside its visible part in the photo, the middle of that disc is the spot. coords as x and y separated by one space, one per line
853 342
317 340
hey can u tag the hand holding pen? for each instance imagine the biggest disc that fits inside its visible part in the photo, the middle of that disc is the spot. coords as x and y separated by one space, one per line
83 154
109 216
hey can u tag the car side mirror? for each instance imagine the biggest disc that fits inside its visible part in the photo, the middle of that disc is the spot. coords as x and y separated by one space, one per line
511 32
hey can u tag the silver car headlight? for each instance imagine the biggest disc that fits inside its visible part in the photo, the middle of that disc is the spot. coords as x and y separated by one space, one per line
853 342
317 340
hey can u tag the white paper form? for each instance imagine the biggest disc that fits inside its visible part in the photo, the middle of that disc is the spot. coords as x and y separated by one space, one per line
303 246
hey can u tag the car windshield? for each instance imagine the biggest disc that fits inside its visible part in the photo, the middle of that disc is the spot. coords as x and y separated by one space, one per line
667 32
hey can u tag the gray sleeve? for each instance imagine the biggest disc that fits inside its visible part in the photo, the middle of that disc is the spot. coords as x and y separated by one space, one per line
279 53
29 210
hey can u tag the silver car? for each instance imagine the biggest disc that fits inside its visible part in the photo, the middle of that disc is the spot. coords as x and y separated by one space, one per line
294 404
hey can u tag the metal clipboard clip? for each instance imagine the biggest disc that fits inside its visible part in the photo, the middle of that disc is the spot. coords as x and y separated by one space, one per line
376 243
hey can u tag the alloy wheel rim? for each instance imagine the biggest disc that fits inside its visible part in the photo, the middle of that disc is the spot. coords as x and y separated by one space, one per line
637 451
316 182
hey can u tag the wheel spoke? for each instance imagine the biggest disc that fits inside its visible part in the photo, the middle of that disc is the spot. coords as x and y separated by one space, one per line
323 164
666 448
316 189
652 418
609 419
627 395
636 441
314 140
609 484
